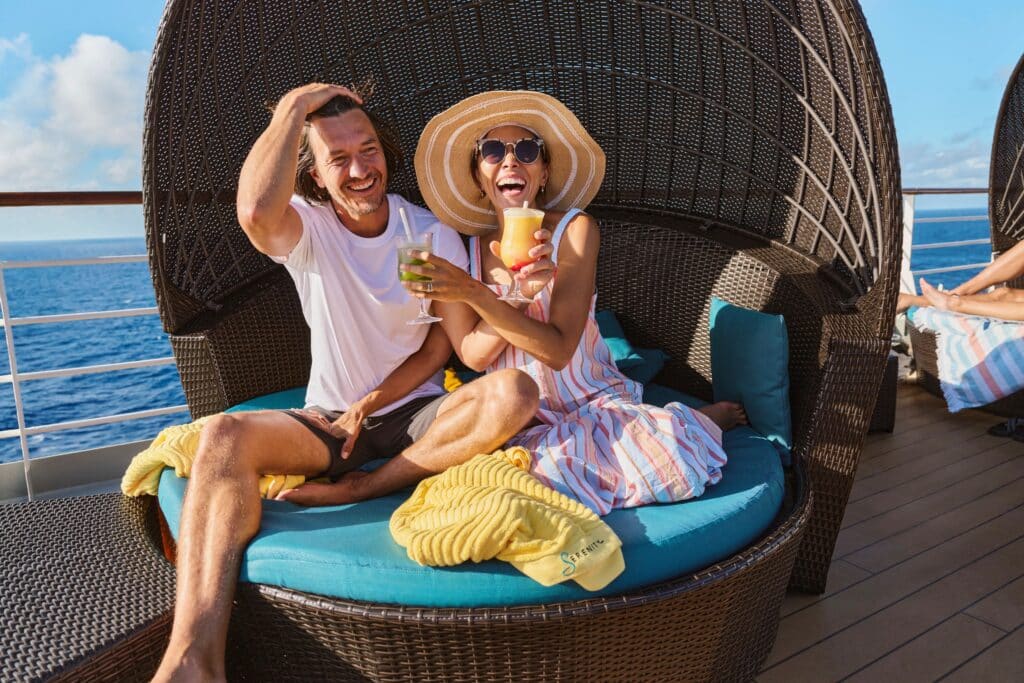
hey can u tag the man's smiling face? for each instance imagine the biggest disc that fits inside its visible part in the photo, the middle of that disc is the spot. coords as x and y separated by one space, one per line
350 162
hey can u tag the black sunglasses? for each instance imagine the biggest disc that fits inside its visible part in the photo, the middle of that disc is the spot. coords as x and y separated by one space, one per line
493 151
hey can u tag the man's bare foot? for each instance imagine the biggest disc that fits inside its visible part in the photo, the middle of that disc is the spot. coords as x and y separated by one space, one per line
725 414
185 669
940 300
341 492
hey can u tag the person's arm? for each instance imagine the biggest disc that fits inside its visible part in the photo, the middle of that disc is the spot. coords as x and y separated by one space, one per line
267 179
413 372
553 342
1007 266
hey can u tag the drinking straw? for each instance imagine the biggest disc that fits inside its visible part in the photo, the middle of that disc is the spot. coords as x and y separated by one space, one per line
406 223
526 204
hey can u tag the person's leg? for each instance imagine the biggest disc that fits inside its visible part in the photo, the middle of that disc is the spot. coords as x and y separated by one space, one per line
1008 307
221 513
477 418
906 300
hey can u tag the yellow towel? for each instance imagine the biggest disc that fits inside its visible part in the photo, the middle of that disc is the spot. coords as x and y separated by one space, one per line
492 507
176 447
451 380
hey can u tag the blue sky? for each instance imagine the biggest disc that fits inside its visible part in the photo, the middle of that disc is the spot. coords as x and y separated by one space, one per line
72 83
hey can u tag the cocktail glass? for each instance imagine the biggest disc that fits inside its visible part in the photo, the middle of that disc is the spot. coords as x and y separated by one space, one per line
516 241
406 249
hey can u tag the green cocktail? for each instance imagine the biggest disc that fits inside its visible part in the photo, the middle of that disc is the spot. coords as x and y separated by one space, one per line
406 249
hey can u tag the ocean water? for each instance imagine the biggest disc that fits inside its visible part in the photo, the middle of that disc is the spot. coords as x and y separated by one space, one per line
73 289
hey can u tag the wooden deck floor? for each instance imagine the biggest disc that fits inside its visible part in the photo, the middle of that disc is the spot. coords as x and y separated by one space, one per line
927 581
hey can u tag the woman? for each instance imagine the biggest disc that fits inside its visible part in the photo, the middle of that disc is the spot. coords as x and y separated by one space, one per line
593 438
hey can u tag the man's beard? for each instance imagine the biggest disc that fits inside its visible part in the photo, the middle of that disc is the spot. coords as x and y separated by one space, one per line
360 206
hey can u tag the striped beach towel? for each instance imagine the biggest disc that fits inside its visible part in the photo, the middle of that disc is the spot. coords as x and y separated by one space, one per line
980 359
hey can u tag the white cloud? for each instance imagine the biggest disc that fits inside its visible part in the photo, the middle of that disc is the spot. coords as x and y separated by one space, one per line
123 170
20 46
963 163
31 159
74 121
98 93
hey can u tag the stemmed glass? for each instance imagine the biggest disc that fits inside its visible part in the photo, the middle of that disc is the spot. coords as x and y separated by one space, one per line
517 239
406 248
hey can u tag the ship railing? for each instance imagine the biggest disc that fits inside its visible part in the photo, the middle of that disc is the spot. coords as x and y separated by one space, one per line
908 277
16 378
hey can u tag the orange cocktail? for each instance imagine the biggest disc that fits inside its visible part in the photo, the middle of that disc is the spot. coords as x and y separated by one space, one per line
518 239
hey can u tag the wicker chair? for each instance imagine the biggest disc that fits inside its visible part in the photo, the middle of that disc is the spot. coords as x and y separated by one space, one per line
751 155
1006 222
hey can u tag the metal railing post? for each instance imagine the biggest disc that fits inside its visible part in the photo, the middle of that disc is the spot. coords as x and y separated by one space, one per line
907 277
15 384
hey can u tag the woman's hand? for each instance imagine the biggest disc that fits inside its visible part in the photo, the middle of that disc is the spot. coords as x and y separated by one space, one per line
447 282
536 275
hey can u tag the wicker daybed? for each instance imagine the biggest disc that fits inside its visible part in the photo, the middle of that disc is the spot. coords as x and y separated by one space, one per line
1006 223
751 155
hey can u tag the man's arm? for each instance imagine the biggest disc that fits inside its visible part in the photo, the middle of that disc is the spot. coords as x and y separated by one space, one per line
268 174
414 371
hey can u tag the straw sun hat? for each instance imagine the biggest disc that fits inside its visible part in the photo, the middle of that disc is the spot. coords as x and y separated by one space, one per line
446 146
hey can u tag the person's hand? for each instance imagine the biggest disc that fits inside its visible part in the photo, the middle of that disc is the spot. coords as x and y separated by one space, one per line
347 428
310 97
536 275
342 492
447 281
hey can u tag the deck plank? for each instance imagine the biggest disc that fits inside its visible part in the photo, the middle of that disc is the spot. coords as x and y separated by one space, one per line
1004 661
1004 608
908 463
899 542
841 575
929 507
928 576
850 649
934 654
805 628
944 479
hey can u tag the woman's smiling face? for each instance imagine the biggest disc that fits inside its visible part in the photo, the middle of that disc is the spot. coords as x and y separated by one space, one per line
510 182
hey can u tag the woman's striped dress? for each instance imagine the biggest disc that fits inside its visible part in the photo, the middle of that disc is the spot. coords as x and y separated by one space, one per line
597 441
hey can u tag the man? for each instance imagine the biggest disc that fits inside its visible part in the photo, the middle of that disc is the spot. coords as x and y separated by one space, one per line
374 387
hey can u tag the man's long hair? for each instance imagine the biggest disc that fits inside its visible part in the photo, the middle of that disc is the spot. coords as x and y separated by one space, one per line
305 186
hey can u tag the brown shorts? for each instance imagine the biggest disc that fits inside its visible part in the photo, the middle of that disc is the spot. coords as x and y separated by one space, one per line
382 436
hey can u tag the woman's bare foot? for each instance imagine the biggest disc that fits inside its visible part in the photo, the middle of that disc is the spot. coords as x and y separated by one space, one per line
725 414
940 300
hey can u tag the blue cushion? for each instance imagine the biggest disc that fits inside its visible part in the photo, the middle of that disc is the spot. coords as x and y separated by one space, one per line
347 552
623 353
653 362
750 364
289 398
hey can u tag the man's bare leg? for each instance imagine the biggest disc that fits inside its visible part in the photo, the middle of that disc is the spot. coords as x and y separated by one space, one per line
478 418
221 513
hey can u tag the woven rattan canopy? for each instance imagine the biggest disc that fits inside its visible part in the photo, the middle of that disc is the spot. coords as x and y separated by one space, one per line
1006 174
769 116
750 155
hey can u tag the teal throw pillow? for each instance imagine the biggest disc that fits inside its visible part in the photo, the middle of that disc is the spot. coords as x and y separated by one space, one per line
750 364
654 361
622 351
